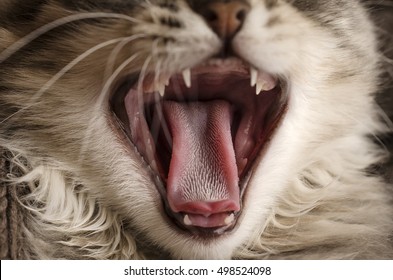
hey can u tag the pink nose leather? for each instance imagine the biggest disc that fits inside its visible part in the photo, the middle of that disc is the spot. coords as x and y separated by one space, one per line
225 18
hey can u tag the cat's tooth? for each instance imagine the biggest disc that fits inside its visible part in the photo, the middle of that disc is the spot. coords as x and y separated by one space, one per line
167 81
259 87
187 220
264 85
229 220
159 86
161 90
187 77
254 76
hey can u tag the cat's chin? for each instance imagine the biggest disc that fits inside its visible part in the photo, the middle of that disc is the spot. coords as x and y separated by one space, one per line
173 119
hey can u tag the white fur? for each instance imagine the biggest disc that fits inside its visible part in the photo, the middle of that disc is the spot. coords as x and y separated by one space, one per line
309 196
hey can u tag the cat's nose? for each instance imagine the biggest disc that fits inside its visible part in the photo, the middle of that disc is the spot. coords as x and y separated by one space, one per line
225 17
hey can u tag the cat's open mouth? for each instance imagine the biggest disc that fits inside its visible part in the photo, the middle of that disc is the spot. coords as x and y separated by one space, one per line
200 132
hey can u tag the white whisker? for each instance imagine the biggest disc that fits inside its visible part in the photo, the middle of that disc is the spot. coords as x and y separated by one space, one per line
54 24
115 74
67 68
100 101
112 57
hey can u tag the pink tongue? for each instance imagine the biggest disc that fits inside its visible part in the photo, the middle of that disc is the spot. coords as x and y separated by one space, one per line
203 177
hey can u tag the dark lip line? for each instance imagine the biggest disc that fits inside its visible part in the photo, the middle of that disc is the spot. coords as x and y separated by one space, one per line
123 86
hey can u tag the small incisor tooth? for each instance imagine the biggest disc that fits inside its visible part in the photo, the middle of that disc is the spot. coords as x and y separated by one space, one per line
159 85
229 219
161 89
187 220
187 77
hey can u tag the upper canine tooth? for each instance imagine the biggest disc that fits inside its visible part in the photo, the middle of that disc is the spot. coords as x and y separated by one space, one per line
187 77
254 76
260 86
265 82
263 86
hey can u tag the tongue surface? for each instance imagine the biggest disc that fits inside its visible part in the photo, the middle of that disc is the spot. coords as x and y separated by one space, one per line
203 176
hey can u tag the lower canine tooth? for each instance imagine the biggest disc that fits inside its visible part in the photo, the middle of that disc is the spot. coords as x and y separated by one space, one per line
187 221
187 77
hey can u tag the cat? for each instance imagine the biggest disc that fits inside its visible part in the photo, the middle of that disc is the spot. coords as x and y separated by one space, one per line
185 129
